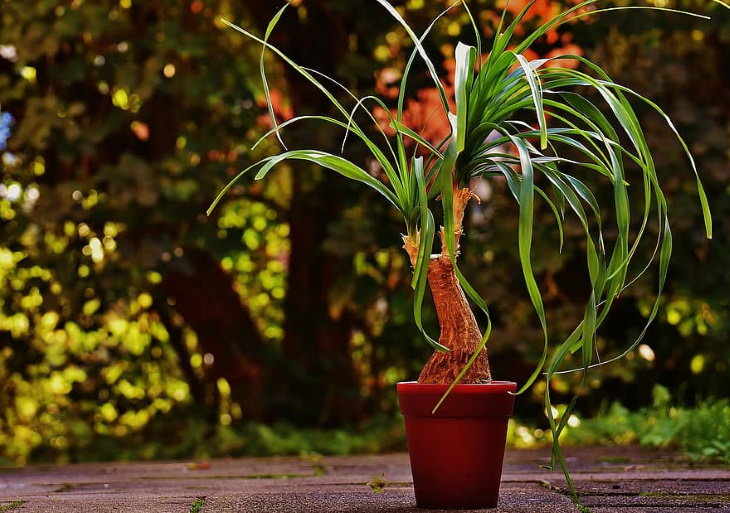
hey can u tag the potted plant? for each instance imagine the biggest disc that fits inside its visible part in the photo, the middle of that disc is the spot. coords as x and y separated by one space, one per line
456 415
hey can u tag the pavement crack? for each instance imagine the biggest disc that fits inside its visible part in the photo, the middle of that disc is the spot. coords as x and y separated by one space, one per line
566 493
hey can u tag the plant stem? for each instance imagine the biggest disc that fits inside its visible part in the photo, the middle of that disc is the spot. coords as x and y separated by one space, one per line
459 328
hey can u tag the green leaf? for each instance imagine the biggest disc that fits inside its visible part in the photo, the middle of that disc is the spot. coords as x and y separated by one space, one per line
333 162
420 273
463 78
446 188
421 50
262 70
411 59
707 216
536 91
299 69
556 213
525 225
589 329
475 29
400 127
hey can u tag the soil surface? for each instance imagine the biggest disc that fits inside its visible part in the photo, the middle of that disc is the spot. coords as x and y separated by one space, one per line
615 479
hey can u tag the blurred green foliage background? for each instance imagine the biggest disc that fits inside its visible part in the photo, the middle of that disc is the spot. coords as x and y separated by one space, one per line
133 326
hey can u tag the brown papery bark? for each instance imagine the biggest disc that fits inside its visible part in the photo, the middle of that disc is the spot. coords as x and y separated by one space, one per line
458 326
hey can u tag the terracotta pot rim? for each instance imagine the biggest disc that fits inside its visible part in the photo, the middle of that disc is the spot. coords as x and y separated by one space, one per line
413 387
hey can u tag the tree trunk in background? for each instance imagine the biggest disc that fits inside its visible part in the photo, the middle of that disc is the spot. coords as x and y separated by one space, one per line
204 295
321 384
316 382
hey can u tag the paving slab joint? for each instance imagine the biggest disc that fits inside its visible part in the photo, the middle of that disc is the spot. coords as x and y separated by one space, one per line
573 497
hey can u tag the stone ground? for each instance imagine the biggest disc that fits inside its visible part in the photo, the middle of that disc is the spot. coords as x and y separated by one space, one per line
609 480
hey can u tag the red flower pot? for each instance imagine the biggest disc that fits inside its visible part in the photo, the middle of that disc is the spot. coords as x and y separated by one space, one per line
457 452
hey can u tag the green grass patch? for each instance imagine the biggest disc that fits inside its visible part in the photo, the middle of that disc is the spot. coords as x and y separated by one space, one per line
613 459
701 432
12 505
197 505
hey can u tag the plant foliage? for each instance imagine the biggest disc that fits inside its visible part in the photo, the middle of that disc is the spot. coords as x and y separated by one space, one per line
519 120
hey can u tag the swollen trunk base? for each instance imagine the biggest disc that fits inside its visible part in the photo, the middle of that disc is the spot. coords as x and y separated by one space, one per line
459 330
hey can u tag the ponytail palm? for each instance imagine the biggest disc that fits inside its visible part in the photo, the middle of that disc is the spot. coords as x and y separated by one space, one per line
531 123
